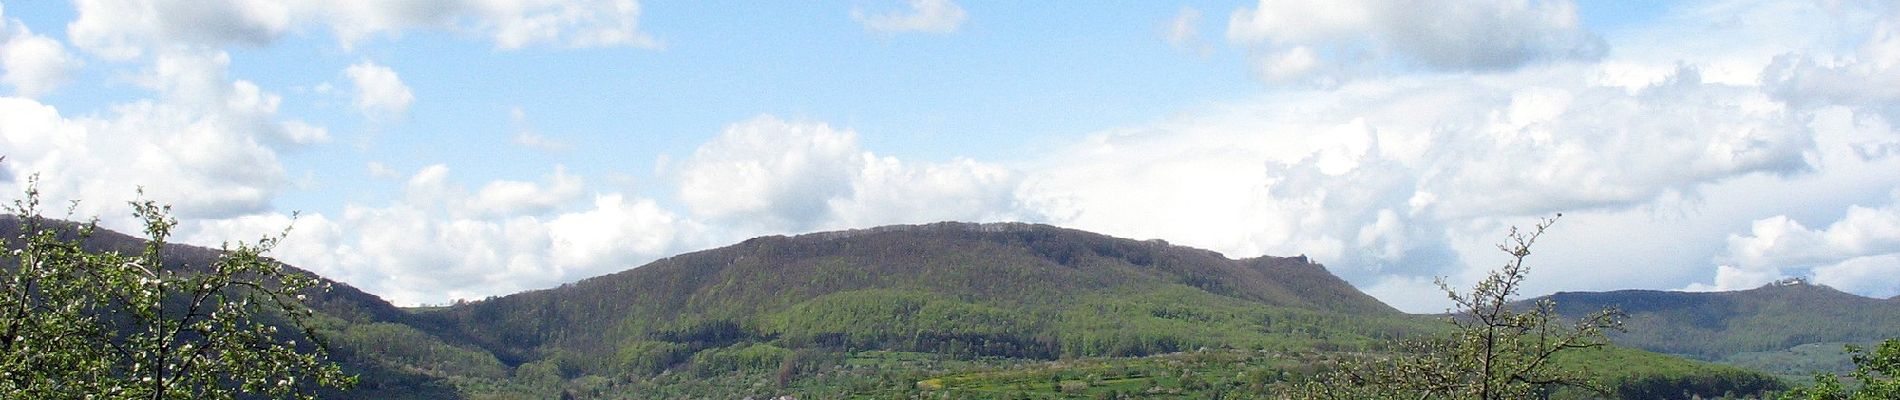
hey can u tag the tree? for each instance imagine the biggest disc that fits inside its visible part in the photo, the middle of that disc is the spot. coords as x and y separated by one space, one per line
1491 351
80 323
1878 372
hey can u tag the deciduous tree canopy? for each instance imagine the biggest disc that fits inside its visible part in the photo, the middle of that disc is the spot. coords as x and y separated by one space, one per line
75 323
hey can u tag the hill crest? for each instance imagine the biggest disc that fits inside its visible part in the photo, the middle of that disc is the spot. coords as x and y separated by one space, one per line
1719 325
1033 277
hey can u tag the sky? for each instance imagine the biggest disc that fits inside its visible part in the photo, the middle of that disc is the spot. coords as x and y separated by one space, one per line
460 149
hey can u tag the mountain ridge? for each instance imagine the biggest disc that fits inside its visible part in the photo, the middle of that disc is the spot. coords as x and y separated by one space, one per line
1032 273
1774 327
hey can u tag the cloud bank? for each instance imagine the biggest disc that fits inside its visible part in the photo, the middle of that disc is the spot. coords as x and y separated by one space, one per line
1401 150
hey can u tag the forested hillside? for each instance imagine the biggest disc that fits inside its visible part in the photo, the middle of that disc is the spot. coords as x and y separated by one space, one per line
1790 327
1007 290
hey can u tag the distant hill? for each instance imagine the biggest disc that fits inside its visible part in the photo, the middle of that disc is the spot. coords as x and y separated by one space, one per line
1752 327
1017 290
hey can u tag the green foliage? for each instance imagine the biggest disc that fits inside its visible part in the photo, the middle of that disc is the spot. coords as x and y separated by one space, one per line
1240 374
1877 371
908 321
648 357
1016 283
545 373
740 357
1795 363
1636 374
401 347
1765 328
1492 352
81 324
967 292
1233 374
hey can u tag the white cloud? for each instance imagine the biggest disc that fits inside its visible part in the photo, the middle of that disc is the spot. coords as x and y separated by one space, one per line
1848 96
1184 32
380 171
930 16
1870 276
1731 41
535 141
209 146
125 29
1868 79
595 23
618 231
33 64
1292 65
525 135
1407 289
1781 242
428 247
888 191
767 175
1729 277
765 169
1360 36
379 92
505 197
443 240
1409 178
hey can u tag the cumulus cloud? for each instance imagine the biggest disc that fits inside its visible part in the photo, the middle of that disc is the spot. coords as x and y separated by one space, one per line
597 23
617 231
32 64
1852 95
504 197
887 191
1305 39
444 240
208 144
1846 247
769 169
1388 178
379 92
439 243
1869 276
776 176
929 16
125 29
1869 79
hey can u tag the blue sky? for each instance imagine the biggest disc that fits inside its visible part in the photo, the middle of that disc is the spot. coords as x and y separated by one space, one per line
464 149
